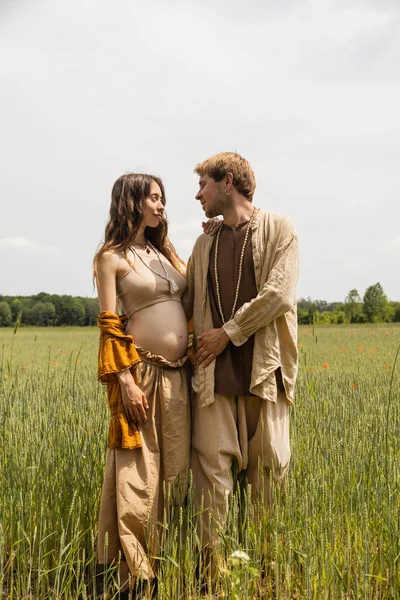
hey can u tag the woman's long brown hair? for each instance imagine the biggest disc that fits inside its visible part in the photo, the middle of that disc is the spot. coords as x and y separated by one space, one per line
126 213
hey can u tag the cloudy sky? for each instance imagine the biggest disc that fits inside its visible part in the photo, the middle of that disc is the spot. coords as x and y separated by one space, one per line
307 90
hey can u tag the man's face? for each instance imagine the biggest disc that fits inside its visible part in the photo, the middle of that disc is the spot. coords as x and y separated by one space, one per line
212 196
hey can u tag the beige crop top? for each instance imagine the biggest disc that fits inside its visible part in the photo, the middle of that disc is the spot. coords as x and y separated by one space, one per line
140 287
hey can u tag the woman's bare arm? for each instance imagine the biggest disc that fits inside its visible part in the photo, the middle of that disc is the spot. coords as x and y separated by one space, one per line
107 268
211 225
133 399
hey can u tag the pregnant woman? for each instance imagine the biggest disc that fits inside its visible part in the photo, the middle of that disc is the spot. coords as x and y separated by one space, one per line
143 361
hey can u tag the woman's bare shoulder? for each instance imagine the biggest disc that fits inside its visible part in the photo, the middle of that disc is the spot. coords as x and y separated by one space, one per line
109 260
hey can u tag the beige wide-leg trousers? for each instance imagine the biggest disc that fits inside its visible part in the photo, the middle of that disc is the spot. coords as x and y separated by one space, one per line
252 431
132 501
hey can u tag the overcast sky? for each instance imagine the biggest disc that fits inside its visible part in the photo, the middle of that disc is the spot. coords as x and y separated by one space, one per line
307 91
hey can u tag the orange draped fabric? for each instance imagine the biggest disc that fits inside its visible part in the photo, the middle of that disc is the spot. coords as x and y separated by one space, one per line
117 352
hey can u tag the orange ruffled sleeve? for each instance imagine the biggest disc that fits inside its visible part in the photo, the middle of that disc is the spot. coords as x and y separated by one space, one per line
117 352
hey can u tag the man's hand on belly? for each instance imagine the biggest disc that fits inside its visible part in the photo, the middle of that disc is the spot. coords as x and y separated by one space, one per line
210 345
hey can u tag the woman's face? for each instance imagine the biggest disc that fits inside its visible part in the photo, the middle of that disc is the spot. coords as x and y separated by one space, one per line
153 208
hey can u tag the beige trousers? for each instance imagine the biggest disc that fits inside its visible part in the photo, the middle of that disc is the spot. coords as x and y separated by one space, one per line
132 501
252 431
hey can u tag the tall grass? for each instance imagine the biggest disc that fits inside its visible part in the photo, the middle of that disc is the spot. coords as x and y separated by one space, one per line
334 535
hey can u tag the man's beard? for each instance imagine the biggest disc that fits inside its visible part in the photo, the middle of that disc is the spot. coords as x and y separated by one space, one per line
212 212
217 208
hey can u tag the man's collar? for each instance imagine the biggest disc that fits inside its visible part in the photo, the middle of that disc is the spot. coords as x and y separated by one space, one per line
253 224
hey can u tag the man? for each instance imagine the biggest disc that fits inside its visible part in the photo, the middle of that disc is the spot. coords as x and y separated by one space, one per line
241 284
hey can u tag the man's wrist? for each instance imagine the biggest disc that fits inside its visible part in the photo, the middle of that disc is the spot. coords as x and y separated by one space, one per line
234 333
225 337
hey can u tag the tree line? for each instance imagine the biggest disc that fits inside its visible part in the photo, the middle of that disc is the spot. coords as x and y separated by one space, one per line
374 307
48 309
52 310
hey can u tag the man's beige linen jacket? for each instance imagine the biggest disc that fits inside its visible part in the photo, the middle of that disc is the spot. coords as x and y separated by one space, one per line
271 315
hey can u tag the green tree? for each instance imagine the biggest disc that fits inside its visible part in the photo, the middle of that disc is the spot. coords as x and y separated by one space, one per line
36 315
16 307
92 311
5 314
353 306
303 317
77 312
376 304
64 310
306 304
324 318
339 316
42 313
321 305
303 310
396 311
49 313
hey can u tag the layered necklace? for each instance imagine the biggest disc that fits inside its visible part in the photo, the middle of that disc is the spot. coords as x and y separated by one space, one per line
173 288
246 237
145 246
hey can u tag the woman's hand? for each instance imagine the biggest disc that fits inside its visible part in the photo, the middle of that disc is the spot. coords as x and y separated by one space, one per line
133 399
211 225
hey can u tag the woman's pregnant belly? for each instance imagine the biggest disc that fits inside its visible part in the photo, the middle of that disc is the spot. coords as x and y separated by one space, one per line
160 328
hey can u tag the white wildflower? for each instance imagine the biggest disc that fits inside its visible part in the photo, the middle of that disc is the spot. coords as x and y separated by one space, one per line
240 554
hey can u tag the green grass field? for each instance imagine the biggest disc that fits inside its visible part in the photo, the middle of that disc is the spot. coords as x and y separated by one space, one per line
335 535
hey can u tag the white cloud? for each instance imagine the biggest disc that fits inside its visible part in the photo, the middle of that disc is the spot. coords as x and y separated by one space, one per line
184 247
392 248
21 243
188 225
353 265
307 90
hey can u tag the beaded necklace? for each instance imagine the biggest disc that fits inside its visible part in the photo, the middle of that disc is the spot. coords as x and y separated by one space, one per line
253 214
